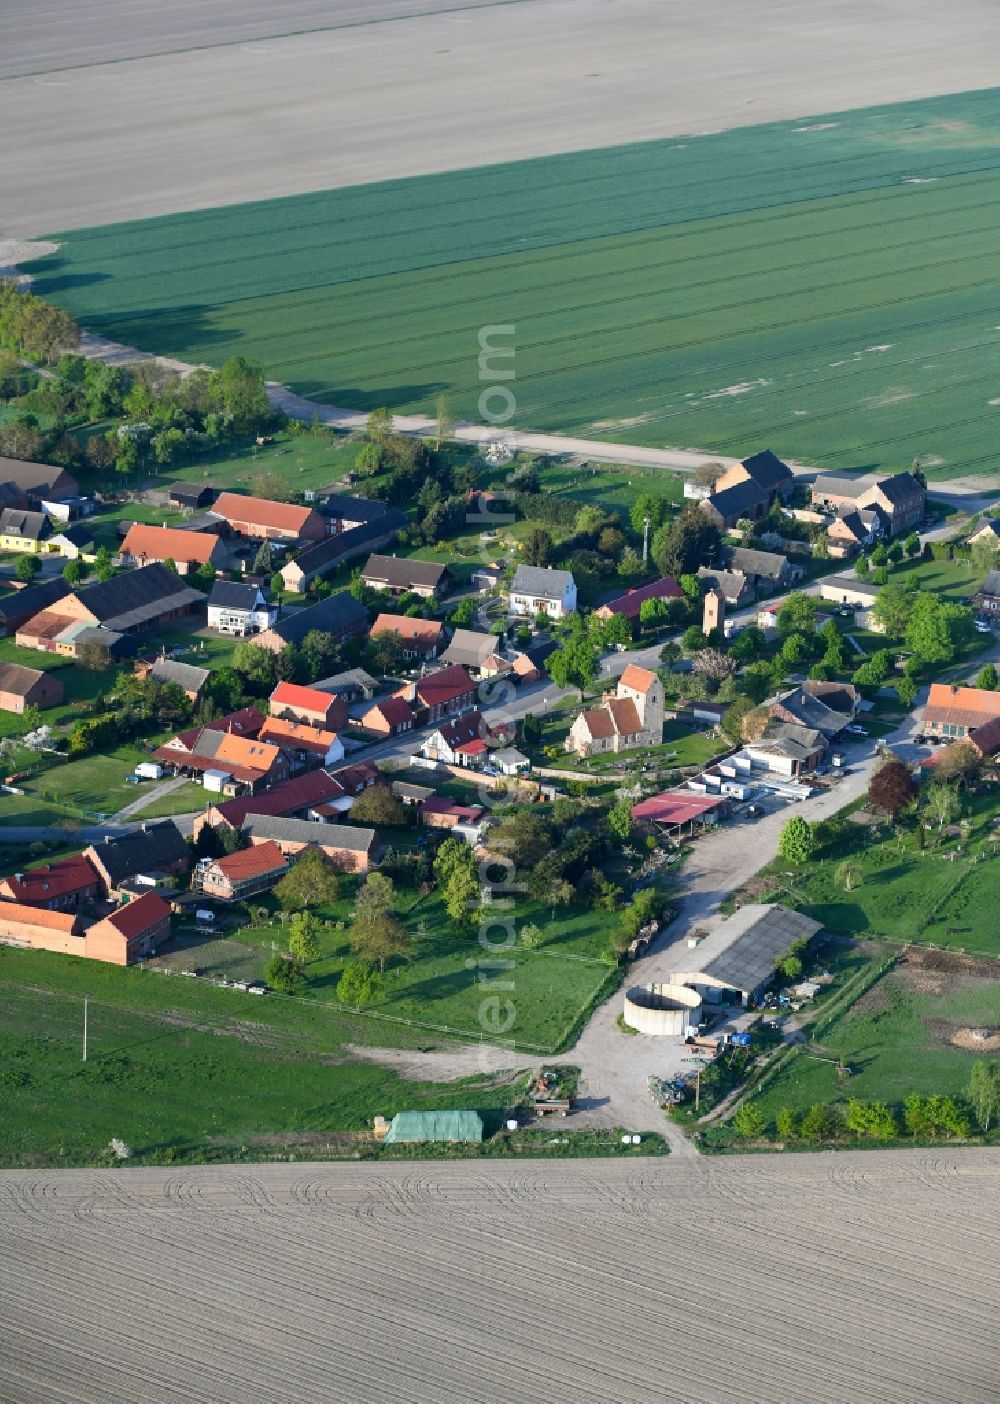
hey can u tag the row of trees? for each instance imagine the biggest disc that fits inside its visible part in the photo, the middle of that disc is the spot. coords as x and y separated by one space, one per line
933 1117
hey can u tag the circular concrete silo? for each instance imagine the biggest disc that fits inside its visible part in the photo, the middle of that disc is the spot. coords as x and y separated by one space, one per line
666 1010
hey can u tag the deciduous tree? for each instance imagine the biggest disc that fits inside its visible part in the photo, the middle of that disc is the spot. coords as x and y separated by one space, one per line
798 614
798 840
984 1091
378 939
310 882
359 985
890 788
303 938
378 805
749 1121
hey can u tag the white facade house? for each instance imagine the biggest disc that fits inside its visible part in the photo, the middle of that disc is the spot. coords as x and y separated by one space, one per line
542 590
239 609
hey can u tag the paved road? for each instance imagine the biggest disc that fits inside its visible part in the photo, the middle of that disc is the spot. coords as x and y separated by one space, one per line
970 494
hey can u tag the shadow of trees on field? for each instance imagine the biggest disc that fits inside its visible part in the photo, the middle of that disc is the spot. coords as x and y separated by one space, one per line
184 332
400 397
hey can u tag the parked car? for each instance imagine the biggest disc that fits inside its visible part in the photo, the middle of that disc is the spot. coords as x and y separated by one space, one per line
855 730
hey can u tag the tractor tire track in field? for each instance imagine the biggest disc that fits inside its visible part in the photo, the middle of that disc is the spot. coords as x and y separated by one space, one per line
832 1277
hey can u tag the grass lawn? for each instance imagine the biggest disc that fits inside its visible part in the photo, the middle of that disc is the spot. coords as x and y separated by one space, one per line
17 810
681 747
305 461
443 987
94 784
180 1069
813 285
79 685
894 1040
184 1068
612 485
939 896
953 581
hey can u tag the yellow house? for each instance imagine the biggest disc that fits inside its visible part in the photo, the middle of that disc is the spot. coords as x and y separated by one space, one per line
26 532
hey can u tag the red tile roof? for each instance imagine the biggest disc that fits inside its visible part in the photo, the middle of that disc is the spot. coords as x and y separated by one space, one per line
357 777
261 511
443 686
411 630
598 722
297 735
395 710
440 804
961 706
986 738
631 603
302 699
246 722
138 916
160 543
303 792
252 862
638 679
38 916
625 716
59 879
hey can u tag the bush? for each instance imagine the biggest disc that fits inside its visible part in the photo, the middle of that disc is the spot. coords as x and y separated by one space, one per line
786 1124
749 1122
820 1123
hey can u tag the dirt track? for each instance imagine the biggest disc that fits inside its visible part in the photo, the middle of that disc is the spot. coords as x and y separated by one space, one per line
217 108
818 1279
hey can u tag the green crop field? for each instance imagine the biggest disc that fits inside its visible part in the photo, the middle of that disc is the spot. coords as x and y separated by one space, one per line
830 287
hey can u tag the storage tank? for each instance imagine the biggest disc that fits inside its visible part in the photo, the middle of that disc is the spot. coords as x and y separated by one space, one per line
666 1010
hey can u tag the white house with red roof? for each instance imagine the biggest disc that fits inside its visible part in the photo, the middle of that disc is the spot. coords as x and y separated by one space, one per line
463 742
632 717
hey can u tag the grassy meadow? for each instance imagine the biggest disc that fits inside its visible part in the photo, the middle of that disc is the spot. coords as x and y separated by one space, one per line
894 1040
942 895
824 286
180 1069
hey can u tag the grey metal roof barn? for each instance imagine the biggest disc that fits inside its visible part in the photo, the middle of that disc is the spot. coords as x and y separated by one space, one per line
347 836
435 1126
741 952
185 675
337 614
470 648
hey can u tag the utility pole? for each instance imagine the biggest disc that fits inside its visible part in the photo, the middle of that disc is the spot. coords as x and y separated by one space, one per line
697 1089
645 540
85 1000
